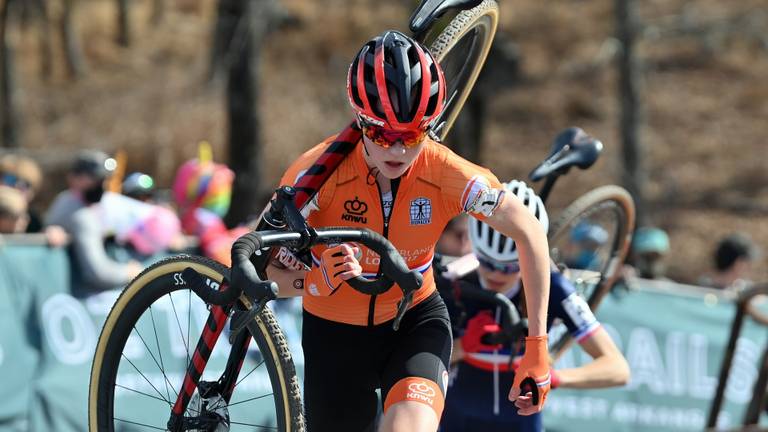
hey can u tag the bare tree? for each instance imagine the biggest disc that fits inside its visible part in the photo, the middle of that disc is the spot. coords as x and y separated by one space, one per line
158 12
501 72
8 110
46 49
245 23
633 155
70 43
123 23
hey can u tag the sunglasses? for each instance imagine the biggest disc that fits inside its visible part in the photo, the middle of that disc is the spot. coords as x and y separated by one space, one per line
15 182
505 268
386 137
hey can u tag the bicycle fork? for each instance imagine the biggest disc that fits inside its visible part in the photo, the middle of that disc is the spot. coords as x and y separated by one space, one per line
225 385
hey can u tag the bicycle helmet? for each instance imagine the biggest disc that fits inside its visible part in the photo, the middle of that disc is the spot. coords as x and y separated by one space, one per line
138 185
493 245
395 83
203 184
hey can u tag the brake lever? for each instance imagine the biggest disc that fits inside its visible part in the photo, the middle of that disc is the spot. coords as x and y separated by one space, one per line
402 307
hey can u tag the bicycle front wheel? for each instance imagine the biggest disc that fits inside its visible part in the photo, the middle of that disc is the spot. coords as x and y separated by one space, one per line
147 344
590 240
461 49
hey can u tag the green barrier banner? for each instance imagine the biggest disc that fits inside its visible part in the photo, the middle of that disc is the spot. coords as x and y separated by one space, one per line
674 343
673 340
49 338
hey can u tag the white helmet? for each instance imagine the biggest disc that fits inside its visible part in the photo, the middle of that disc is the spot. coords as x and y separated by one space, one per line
491 244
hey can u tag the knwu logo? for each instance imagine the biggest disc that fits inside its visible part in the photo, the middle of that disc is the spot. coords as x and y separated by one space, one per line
355 211
421 391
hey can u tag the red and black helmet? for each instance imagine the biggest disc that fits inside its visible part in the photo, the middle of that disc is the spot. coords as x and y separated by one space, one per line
394 82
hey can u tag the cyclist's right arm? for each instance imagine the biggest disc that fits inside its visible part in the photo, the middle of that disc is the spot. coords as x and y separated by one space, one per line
290 282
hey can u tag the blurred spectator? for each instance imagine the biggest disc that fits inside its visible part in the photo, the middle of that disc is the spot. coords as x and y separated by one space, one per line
733 259
86 186
454 241
13 211
77 210
583 248
650 248
139 186
24 174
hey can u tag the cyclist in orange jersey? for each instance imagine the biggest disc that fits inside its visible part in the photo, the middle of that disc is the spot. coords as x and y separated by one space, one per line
401 183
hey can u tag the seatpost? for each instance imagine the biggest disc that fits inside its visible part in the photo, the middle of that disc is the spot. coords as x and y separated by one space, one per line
548 185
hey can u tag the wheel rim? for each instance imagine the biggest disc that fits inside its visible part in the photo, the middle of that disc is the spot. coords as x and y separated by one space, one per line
590 262
153 357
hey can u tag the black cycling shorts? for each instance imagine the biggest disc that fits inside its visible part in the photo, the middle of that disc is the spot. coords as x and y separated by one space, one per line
345 364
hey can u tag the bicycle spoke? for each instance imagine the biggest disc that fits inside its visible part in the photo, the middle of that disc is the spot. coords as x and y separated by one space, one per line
254 425
140 424
159 351
181 332
162 369
189 315
250 399
143 394
251 371
145 378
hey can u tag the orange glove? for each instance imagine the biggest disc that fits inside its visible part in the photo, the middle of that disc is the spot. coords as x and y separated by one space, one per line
533 375
337 263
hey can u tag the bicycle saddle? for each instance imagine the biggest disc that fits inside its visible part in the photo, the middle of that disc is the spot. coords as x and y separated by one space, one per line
572 147
430 10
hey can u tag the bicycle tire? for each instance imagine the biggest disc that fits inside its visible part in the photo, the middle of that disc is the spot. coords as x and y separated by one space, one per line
151 286
479 25
604 197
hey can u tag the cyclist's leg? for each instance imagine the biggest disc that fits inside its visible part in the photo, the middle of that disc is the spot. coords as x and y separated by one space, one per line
340 381
415 378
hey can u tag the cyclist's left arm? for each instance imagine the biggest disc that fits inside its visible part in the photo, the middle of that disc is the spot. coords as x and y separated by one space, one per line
608 369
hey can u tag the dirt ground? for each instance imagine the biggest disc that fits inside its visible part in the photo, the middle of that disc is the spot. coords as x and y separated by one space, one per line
705 98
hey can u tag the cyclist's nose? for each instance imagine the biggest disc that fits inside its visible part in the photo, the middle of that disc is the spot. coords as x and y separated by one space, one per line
397 148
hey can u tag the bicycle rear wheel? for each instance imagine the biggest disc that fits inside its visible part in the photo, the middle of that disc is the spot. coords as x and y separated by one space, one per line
146 345
590 239
461 48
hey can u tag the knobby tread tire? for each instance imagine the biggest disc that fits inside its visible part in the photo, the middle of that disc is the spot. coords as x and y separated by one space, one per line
619 249
461 24
264 329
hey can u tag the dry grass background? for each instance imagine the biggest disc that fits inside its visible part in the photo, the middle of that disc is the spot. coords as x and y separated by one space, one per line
706 112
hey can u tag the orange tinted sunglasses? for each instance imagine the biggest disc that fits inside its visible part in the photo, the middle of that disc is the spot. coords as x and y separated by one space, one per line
386 137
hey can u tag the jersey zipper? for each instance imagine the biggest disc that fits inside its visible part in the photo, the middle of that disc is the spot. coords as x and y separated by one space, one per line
385 232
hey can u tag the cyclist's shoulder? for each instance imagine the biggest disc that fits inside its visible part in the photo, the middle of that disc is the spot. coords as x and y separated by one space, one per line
305 160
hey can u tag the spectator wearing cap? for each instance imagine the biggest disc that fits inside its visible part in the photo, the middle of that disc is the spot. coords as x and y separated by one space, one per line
650 248
732 261
139 186
582 250
13 211
86 178
77 210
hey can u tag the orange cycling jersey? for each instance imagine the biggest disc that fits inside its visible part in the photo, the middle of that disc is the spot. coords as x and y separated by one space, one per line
437 187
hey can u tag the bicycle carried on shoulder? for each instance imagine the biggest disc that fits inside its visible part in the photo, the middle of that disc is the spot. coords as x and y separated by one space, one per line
598 225
230 383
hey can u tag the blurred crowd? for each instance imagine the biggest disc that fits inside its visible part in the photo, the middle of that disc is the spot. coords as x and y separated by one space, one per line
109 233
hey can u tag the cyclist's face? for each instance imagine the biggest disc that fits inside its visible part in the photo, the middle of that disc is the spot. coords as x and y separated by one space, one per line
496 280
391 162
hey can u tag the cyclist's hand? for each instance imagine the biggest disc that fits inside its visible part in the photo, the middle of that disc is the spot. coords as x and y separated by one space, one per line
534 365
477 327
338 263
554 378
